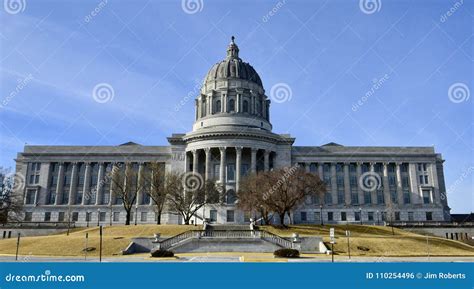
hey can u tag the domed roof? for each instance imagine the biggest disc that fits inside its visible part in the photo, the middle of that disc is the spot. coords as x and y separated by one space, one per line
233 67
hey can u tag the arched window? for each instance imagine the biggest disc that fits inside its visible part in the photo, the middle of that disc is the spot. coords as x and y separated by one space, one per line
231 197
218 106
231 105
246 106
259 108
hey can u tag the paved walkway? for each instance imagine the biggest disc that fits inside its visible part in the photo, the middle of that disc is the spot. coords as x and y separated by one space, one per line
235 258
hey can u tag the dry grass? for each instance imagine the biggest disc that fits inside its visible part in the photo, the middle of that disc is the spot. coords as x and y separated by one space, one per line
115 239
379 240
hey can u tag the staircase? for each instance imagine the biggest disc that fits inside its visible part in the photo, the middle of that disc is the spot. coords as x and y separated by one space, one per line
224 238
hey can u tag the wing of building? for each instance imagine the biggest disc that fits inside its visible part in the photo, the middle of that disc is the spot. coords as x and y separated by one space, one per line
231 137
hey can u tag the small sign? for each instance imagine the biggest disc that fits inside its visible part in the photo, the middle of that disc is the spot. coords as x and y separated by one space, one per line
331 234
348 233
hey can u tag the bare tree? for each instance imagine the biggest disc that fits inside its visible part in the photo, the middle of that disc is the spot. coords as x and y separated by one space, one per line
251 198
11 205
155 187
125 186
188 192
280 191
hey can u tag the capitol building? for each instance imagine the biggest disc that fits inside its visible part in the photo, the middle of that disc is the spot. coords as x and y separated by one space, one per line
232 136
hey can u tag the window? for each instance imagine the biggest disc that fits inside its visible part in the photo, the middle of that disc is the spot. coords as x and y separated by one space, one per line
231 172
75 216
380 197
340 197
406 197
231 105
203 108
230 216
327 198
216 171
339 168
28 216
426 196
245 169
79 197
218 106
51 197
405 182
392 181
143 216
397 216
343 216
231 197
247 216
88 216
30 196
357 216
34 173
353 181
352 168
61 216
393 195
411 216
429 216
317 216
367 198
404 168
303 216
370 216
330 216
116 216
354 198
65 196
213 215
340 181
246 106
102 216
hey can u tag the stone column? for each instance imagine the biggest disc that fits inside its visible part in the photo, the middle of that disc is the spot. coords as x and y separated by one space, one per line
360 192
237 103
186 161
211 104
347 185
399 184
252 104
266 160
195 161
386 185
113 173
415 192
320 171
208 163
433 174
374 192
253 160
73 185
59 185
334 184
100 183
222 102
222 166
238 167
140 181
87 183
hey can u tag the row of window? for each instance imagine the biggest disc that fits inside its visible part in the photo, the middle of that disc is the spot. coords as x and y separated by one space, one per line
63 216
371 216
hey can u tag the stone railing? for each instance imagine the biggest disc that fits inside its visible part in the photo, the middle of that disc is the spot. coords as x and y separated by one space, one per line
275 239
170 242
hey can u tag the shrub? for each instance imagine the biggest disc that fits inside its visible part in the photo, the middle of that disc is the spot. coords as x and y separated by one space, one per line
161 254
287 253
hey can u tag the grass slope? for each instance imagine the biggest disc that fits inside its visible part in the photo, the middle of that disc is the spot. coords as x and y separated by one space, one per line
379 240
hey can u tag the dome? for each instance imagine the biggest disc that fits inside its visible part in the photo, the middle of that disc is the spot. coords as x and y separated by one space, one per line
233 67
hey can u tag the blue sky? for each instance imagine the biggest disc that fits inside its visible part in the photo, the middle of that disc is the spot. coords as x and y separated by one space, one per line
330 53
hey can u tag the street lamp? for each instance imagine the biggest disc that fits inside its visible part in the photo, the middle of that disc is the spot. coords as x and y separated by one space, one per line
136 213
321 214
378 223
88 216
360 215
98 216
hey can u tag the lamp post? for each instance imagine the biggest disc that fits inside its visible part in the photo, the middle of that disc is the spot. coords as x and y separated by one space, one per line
360 215
110 217
88 216
378 223
321 214
136 214
98 217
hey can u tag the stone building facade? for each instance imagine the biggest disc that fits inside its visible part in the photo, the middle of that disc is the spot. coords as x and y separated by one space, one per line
231 137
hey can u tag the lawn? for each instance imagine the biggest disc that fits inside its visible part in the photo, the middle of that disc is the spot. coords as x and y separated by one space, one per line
377 239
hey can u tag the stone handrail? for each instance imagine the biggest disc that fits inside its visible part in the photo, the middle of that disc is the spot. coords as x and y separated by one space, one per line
170 242
229 234
275 239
